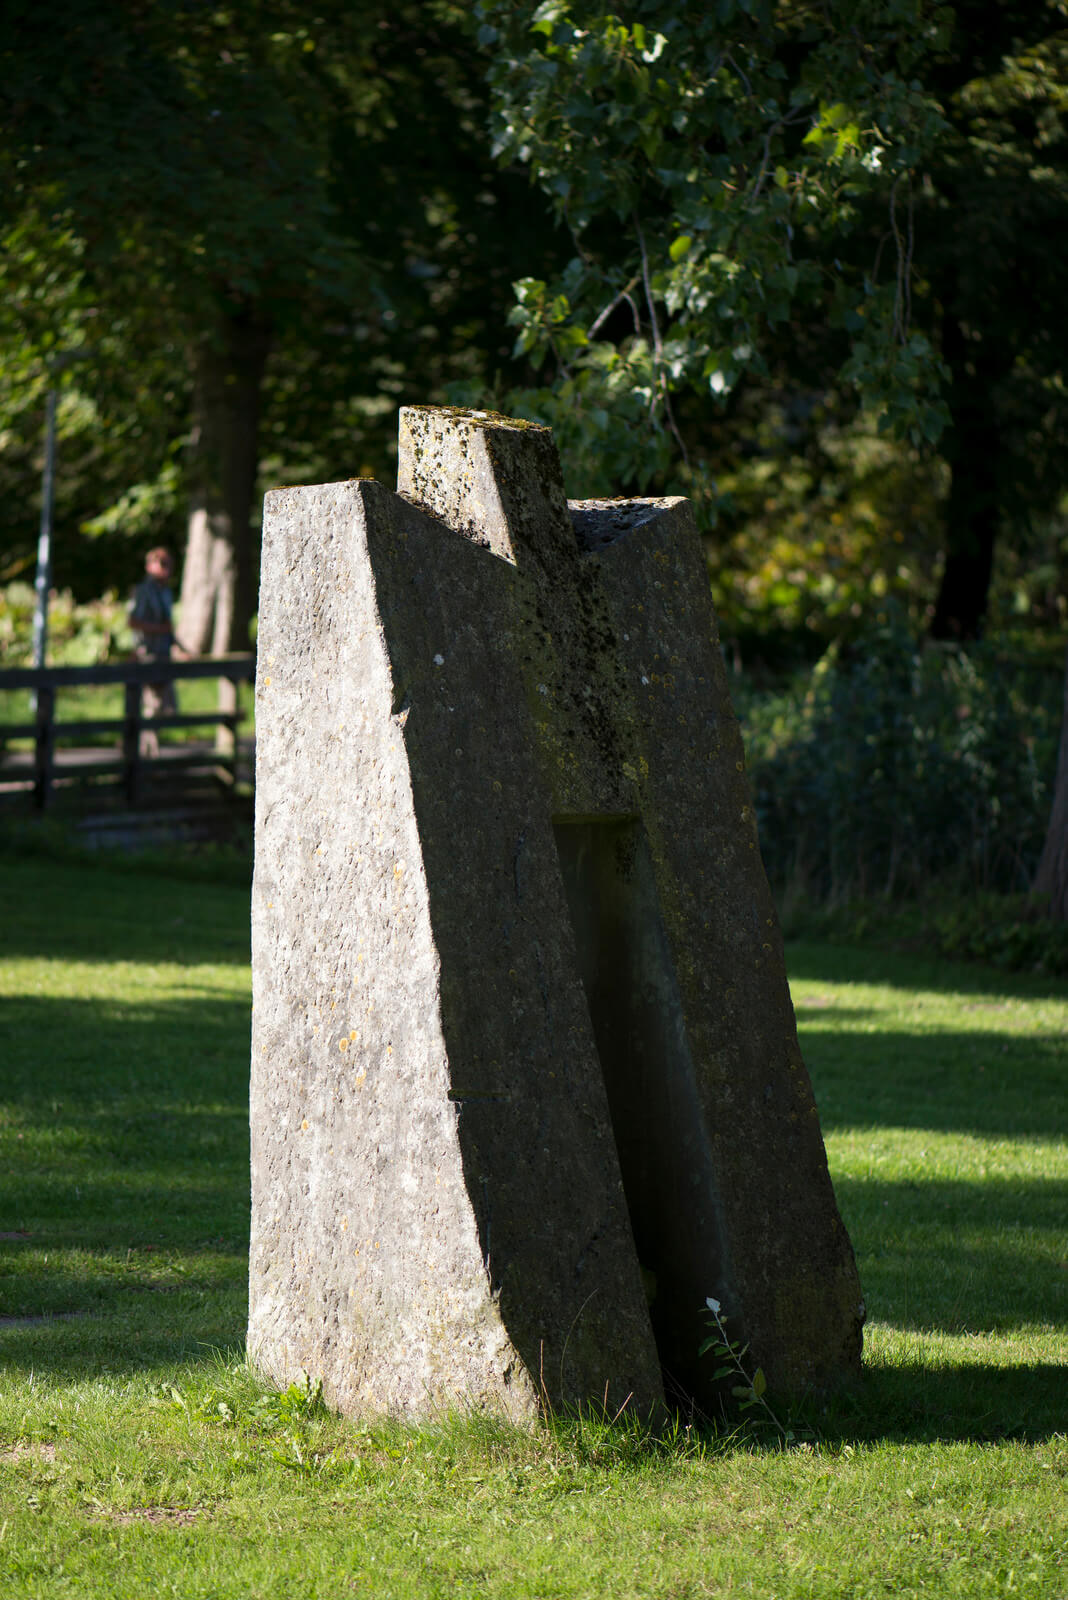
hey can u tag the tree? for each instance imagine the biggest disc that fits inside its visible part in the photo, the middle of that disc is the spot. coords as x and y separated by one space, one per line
988 212
710 163
846 196
194 189
257 187
886 182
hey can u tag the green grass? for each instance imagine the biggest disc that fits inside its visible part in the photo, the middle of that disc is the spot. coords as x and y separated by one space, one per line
138 1454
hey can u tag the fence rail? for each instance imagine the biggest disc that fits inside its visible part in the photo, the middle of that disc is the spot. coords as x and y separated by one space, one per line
128 766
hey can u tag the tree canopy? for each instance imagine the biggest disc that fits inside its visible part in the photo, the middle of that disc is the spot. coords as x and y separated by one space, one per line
275 206
856 200
713 164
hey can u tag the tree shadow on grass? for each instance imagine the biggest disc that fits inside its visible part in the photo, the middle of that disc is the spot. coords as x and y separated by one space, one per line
914 1402
857 963
124 1343
959 1257
124 1179
65 1058
88 914
988 1084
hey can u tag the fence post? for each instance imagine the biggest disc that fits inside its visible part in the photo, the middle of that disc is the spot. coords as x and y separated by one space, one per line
131 742
225 738
44 746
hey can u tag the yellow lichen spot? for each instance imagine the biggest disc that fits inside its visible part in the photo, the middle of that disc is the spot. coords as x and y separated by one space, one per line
267 682
344 1224
343 1045
354 1035
361 1079
304 1126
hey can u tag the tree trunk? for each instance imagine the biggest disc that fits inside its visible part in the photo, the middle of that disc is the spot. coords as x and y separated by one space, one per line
973 509
1051 879
218 576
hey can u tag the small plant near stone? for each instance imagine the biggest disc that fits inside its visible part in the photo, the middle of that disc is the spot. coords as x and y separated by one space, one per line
289 1408
750 1389
285 1420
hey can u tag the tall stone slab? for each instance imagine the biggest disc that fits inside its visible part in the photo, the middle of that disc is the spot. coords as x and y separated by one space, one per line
526 1085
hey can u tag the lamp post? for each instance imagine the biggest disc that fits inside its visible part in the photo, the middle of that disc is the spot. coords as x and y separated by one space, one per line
43 583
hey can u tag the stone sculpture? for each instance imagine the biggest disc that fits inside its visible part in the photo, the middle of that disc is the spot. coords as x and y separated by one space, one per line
526 1086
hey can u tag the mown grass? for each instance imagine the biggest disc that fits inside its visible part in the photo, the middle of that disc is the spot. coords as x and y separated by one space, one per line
138 1454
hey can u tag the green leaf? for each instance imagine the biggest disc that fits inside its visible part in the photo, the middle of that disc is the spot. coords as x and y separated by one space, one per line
680 246
760 1383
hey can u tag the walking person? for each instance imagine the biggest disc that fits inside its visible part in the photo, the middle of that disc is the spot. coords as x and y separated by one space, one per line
150 617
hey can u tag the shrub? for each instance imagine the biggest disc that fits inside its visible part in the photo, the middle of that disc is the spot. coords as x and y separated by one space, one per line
1008 931
892 765
79 634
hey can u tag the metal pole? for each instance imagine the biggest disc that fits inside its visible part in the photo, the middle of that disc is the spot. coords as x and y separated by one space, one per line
44 542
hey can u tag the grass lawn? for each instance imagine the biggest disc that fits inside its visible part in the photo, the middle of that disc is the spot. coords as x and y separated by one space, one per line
139 1456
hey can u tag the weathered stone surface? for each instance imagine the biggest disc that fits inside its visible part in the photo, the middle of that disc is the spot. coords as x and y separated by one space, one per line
526 1085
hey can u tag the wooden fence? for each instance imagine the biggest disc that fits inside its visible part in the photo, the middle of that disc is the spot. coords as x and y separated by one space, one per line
125 767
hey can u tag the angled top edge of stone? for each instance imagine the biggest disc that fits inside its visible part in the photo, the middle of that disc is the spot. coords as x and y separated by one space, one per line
599 523
300 488
477 419
495 480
